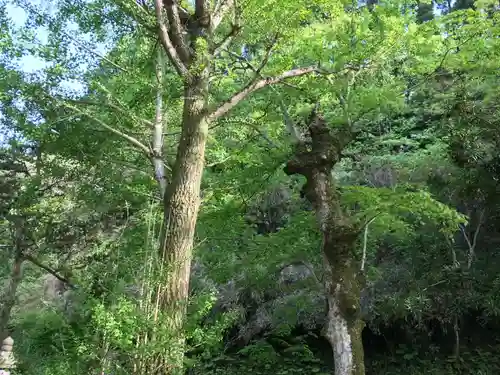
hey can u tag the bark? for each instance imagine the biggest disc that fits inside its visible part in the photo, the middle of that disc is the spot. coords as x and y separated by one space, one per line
182 195
8 299
315 159
188 40
181 205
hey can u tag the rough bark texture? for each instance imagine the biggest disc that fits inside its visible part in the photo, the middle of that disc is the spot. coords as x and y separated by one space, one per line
185 38
8 299
315 159
181 205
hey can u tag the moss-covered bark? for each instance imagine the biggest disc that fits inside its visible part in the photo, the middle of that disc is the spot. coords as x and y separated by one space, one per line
315 160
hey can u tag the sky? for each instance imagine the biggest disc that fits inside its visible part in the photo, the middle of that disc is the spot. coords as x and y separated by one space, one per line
18 15
31 63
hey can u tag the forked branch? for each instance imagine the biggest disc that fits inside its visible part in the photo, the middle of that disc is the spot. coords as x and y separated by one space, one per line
471 243
255 85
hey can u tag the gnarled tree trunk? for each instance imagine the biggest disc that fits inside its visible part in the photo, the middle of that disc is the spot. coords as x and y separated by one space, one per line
315 159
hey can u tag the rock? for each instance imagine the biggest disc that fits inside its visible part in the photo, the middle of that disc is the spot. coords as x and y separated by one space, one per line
6 356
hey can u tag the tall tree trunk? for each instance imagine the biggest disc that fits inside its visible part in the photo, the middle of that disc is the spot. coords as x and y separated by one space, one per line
315 159
181 206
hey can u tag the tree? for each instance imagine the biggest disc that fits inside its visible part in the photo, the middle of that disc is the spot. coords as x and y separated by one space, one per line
204 44
342 284
192 38
189 42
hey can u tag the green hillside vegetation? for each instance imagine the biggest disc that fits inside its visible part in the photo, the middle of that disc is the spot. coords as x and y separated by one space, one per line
250 187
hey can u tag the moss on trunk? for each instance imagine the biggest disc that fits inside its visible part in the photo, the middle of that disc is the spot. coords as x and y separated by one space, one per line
315 160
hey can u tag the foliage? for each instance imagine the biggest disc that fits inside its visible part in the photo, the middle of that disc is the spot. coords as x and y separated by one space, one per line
423 172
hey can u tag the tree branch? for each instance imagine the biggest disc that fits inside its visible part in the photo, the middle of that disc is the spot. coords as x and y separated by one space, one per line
264 61
472 244
176 30
254 86
29 258
365 243
202 11
127 137
167 44
157 141
292 129
115 107
227 40
235 30
221 9
307 265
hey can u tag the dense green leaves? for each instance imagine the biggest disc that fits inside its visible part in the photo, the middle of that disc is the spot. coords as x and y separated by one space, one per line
422 98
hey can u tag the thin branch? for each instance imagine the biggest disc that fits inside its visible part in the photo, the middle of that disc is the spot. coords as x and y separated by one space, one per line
81 44
290 126
97 54
472 245
254 86
269 49
365 242
344 100
227 40
307 265
157 141
256 128
263 63
454 260
115 107
171 51
127 137
37 263
292 129
436 284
